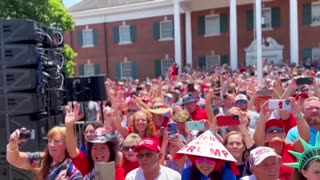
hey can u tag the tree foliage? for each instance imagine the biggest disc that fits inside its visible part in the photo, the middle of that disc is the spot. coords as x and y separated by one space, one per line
50 13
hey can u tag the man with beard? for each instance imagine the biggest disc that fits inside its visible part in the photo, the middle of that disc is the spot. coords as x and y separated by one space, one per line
311 111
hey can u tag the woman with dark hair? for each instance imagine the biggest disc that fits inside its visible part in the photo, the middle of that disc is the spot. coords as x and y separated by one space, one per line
102 148
87 134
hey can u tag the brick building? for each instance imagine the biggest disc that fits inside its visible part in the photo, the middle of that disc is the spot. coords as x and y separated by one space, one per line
141 38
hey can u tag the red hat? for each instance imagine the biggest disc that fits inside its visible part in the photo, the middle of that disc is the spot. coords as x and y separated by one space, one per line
148 143
274 122
205 86
302 96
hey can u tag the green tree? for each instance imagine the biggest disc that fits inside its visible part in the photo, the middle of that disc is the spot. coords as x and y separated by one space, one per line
50 13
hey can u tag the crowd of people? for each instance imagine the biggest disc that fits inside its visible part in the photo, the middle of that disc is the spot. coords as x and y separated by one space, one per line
218 124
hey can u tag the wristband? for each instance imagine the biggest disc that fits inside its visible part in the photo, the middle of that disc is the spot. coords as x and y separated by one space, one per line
299 115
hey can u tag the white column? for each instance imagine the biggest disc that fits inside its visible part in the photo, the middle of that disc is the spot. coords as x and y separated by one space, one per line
177 34
294 36
188 38
233 35
259 39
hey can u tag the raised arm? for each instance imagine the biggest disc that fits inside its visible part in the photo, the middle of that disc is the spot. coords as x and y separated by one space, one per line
14 156
72 115
259 134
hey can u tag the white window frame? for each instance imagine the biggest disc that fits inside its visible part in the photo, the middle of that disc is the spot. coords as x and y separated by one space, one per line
315 20
213 60
264 19
206 24
316 54
121 41
161 36
85 33
164 67
89 69
126 73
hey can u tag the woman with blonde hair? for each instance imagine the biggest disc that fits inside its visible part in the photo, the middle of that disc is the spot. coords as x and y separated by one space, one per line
130 161
53 163
239 145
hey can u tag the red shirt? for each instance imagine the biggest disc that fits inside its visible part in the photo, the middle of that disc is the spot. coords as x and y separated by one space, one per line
82 164
286 171
129 166
289 123
199 114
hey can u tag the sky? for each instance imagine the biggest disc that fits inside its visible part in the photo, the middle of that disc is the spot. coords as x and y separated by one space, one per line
69 3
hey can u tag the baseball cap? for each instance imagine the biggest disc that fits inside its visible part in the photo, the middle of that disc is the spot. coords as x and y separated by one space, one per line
189 98
240 97
148 143
274 122
259 154
101 135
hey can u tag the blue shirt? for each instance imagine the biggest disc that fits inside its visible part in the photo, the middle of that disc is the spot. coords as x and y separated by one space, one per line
293 135
227 174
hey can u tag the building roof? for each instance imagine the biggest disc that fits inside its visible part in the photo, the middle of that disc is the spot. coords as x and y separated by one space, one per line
97 4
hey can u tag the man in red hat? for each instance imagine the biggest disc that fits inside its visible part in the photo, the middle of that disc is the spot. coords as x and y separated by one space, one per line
148 155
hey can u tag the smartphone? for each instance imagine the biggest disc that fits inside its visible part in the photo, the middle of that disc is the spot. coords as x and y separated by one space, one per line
190 87
104 171
279 104
265 92
304 80
172 129
232 120
195 125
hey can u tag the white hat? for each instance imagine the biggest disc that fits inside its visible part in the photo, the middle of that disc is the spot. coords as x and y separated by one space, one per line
240 97
259 154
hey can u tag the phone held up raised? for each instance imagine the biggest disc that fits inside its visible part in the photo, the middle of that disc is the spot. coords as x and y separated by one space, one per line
231 120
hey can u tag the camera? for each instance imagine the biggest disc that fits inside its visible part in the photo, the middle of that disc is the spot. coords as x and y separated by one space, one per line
25 134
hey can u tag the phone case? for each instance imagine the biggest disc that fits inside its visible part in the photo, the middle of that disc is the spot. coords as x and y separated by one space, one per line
228 121
305 80
195 125
279 104
172 128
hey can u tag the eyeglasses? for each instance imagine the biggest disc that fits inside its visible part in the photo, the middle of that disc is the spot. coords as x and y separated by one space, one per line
274 130
127 148
241 101
131 110
207 160
55 141
147 155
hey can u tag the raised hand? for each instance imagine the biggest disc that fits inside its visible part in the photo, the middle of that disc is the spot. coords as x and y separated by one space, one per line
73 114
264 112
14 137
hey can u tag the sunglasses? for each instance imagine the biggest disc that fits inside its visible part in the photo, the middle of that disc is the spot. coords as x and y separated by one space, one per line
275 130
157 107
127 148
131 110
202 159
147 155
241 102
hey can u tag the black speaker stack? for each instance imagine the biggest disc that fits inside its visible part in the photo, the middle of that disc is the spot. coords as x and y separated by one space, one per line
31 85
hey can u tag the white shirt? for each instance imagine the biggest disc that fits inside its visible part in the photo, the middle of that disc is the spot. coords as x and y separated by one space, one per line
252 177
165 174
